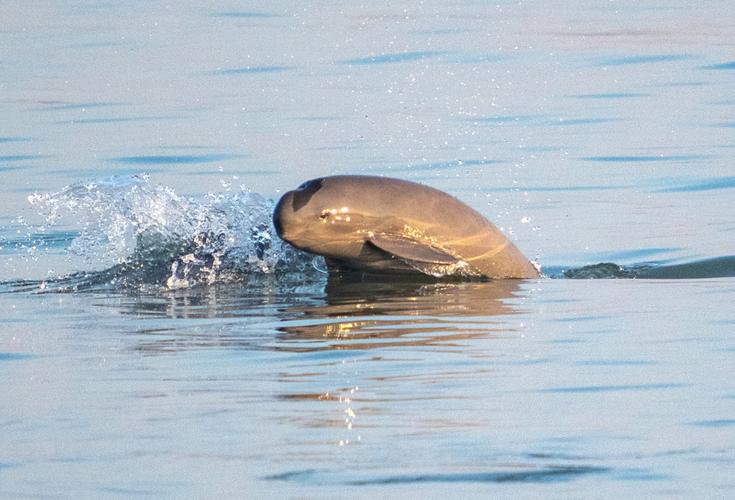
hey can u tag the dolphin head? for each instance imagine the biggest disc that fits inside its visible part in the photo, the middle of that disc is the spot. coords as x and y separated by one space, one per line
318 218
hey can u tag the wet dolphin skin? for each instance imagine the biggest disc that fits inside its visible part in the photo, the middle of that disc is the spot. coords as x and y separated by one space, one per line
381 224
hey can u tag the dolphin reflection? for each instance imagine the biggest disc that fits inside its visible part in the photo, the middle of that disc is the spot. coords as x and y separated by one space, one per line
349 311
360 314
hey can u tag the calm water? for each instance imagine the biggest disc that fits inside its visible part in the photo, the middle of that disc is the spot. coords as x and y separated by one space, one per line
595 133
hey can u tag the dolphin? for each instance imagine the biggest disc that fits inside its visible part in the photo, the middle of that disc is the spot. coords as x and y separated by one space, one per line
379 224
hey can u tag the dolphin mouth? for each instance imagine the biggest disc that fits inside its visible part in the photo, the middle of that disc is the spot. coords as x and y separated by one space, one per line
279 227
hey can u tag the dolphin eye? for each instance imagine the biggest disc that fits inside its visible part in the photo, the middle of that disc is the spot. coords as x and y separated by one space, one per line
304 192
314 184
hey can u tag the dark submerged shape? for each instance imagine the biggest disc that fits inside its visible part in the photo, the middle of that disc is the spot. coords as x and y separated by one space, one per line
379 224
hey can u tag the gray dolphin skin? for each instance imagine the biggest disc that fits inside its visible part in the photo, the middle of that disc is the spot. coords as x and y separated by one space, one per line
379 224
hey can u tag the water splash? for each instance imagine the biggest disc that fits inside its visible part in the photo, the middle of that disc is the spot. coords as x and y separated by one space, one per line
140 233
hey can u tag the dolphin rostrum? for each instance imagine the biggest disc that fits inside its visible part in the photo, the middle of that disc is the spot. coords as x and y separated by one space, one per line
380 224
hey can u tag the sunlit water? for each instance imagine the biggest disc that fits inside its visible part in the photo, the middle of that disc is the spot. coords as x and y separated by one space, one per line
159 340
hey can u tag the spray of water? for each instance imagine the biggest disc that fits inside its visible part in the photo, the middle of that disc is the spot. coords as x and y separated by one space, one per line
139 233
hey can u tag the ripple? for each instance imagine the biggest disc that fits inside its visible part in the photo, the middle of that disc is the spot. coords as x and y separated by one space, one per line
251 70
479 58
644 59
540 120
561 122
640 475
245 14
532 475
609 95
240 173
52 239
724 422
129 492
444 165
14 356
615 362
636 253
505 118
393 58
5 139
710 185
559 189
123 119
10 158
612 388
173 159
81 105
643 158
546 475
722 66
440 31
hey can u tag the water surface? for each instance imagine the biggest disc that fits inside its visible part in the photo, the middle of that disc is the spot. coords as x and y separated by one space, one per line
150 140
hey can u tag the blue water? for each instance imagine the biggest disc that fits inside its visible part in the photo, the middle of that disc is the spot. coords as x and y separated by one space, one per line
157 340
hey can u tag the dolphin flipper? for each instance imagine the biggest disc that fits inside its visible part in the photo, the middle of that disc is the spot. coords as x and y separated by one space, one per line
411 250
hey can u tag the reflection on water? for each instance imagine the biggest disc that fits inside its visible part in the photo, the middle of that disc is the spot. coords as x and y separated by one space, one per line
359 315
343 314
